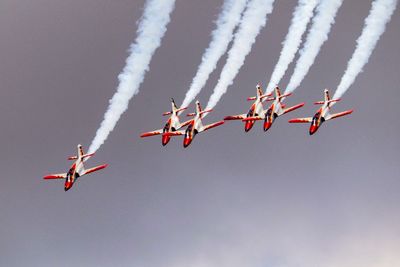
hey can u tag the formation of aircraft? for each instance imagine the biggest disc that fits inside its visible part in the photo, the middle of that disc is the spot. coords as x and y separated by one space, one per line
195 125
276 109
77 169
322 113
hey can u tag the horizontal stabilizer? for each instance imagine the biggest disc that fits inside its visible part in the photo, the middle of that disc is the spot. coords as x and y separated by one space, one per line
285 95
212 125
266 95
73 158
191 114
251 98
157 132
86 156
340 114
87 171
205 111
235 117
167 113
55 176
301 120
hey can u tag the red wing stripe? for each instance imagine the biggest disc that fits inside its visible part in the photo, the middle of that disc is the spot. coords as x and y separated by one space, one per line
95 168
340 114
207 127
151 133
293 108
300 120
55 176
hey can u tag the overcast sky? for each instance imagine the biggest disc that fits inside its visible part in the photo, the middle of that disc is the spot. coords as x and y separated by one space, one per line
232 199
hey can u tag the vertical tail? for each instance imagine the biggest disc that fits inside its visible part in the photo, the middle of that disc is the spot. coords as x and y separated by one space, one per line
326 95
80 151
259 91
198 109
174 107
277 93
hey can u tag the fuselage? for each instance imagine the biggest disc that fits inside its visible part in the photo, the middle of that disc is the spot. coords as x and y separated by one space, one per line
256 109
73 174
193 128
171 125
319 118
274 110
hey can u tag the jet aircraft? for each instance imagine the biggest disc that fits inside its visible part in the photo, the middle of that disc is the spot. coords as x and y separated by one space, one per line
171 125
77 169
322 114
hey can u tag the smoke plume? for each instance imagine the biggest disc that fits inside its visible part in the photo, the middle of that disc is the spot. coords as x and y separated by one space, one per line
375 24
152 28
227 21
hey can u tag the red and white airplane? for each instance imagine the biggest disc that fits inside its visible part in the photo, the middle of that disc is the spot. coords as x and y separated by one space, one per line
171 125
77 169
276 109
256 110
195 126
322 113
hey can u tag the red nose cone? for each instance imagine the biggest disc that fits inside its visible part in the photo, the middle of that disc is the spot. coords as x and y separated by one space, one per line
68 186
313 129
248 126
267 125
186 142
165 139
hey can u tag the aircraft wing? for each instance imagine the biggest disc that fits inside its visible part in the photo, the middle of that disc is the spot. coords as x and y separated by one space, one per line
186 123
255 118
286 110
235 117
212 125
87 171
176 133
301 120
340 114
55 176
156 132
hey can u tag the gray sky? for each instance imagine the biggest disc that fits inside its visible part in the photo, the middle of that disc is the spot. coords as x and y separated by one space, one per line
232 199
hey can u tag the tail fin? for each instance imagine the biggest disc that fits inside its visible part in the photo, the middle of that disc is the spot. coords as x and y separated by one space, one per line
80 151
198 108
326 95
259 91
277 92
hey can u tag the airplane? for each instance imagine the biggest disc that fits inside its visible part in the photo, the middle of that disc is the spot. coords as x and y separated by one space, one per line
256 109
77 169
276 109
195 126
322 113
171 125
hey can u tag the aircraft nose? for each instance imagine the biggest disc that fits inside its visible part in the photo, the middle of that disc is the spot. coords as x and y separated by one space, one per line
248 126
267 125
186 142
165 140
313 129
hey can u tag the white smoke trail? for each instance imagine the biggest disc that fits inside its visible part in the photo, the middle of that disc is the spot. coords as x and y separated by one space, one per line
254 18
317 35
301 17
152 28
227 21
374 25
